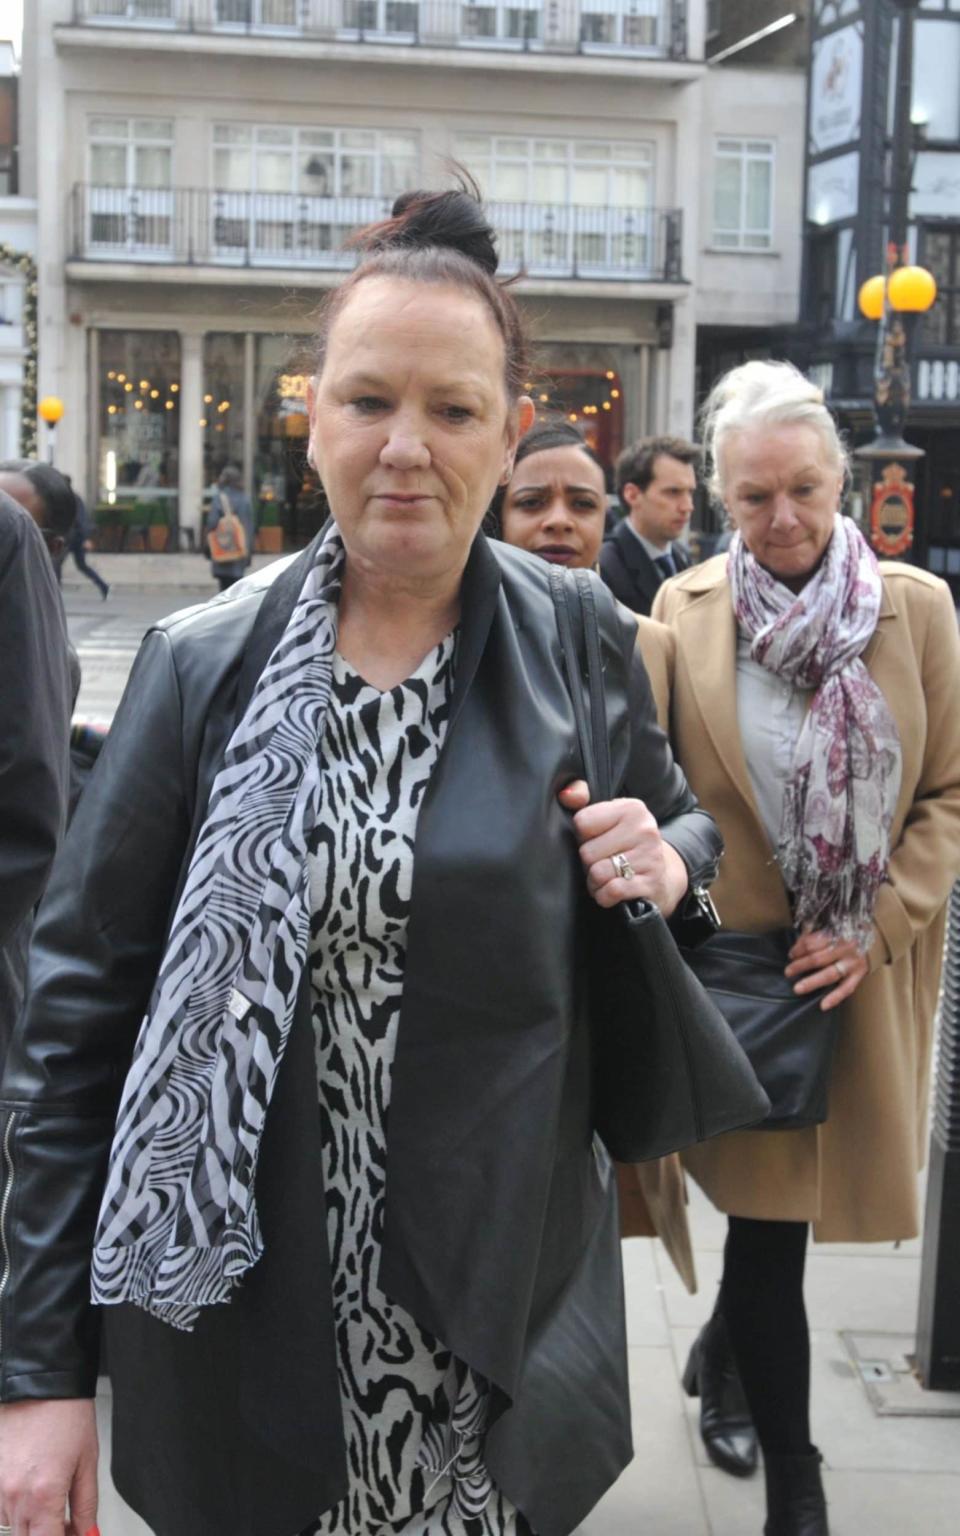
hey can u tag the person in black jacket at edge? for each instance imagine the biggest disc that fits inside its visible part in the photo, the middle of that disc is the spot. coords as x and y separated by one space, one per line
655 480
353 1244
35 699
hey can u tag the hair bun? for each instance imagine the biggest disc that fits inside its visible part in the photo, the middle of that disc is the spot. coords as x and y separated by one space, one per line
454 220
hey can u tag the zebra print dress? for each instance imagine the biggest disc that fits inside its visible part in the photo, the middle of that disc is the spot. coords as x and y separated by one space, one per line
414 1417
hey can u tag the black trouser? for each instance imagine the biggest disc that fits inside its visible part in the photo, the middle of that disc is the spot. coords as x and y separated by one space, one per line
80 561
225 581
761 1298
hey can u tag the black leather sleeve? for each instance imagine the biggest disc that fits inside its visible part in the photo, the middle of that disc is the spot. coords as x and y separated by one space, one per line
35 716
96 950
654 776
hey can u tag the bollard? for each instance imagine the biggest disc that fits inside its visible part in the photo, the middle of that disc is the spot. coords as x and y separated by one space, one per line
938 1320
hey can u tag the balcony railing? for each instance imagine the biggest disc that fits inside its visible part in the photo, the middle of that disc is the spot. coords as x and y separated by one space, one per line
199 227
653 28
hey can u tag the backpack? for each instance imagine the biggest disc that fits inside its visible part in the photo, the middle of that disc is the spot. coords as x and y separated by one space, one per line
227 540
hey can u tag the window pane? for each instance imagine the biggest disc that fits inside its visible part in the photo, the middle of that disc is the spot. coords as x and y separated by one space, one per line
590 186
108 128
274 135
230 133
758 195
517 148
592 152
510 184
317 174
550 183
108 165
726 194
759 147
317 138
152 167
358 139
640 153
137 460
630 186
550 149
356 175
153 128
223 379
231 170
729 146
273 171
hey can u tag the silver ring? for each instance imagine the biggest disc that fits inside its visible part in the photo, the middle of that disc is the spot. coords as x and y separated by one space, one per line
625 871
841 971
6 1530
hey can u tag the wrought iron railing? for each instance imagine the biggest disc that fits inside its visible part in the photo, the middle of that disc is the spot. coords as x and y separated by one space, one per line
201 227
656 28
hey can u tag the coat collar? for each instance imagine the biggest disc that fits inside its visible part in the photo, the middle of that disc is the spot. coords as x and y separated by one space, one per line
481 583
707 624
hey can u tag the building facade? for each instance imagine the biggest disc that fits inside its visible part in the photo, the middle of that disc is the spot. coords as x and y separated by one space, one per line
18 244
847 187
199 164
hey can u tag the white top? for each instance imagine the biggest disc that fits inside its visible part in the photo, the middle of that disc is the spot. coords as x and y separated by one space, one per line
770 715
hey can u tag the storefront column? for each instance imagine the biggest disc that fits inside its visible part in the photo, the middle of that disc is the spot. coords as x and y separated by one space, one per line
91 479
249 414
646 393
633 383
191 434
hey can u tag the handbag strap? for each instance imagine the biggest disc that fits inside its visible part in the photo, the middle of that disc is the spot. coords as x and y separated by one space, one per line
578 627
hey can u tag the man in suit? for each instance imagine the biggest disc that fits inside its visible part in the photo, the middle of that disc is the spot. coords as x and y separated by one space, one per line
656 479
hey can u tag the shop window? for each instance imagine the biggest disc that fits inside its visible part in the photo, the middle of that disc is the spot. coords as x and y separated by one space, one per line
940 247
743 194
286 490
223 404
139 430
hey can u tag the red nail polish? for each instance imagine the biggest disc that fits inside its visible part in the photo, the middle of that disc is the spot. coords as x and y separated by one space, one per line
93 1531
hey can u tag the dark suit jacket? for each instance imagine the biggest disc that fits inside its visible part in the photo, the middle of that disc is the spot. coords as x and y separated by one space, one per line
630 573
34 735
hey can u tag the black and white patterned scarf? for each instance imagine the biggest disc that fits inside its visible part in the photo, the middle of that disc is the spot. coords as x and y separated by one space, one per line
178 1224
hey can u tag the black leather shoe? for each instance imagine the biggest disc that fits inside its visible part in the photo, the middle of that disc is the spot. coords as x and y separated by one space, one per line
725 1423
795 1502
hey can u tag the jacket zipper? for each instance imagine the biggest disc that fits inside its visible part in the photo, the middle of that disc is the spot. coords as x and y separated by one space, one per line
4 1207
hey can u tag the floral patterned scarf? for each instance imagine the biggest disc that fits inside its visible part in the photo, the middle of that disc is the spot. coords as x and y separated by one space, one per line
838 807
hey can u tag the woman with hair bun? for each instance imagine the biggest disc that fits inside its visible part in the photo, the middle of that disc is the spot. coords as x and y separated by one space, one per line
816 708
336 1199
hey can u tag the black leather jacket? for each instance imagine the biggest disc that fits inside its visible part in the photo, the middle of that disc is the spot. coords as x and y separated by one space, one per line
501 1233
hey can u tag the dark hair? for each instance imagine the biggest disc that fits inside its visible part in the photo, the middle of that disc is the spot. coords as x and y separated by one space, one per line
59 501
637 463
549 434
436 237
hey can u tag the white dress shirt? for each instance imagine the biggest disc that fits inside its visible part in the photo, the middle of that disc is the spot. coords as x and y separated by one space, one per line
770 714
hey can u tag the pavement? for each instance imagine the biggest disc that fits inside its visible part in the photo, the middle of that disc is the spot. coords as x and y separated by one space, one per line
892 1451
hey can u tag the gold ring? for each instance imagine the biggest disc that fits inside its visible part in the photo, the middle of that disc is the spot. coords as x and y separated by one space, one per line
624 870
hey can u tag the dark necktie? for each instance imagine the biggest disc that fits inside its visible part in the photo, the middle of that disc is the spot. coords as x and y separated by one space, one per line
666 565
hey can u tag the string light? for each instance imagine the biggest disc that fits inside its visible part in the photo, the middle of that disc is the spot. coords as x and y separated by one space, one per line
121 378
128 386
111 410
614 394
138 405
208 399
154 394
203 421
168 405
610 374
174 388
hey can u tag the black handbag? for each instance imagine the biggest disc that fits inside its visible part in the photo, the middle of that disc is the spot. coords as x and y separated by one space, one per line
667 1069
790 1042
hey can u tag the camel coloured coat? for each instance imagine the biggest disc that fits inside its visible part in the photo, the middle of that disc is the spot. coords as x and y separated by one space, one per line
854 1177
653 1196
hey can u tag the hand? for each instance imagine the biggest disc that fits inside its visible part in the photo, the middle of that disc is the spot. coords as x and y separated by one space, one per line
88 543
822 961
628 828
48 1467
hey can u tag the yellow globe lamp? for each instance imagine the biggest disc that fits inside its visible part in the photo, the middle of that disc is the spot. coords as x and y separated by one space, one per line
871 296
50 409
912 290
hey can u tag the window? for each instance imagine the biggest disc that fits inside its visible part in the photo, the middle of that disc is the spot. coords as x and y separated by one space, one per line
567 206
323 162
936 69
612 24
130 202
381 18
497 20
940 245
823 278
134 10
223 403
713 18
257 13
139 423
743 194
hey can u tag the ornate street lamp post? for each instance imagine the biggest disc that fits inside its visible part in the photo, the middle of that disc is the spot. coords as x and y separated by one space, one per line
50 410
895 300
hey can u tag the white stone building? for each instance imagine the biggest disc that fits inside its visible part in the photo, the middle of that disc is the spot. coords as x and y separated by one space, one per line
197 165
18 240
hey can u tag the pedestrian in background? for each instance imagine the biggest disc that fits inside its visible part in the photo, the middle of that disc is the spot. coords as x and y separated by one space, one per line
229 528
656 480
34 731
80 543
816 709
554 505
46 495
333 859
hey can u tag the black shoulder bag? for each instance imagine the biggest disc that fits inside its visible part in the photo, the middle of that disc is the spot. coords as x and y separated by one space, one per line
668 1070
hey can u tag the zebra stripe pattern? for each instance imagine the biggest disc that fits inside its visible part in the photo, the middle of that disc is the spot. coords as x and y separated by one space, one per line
178 1223
414 1418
